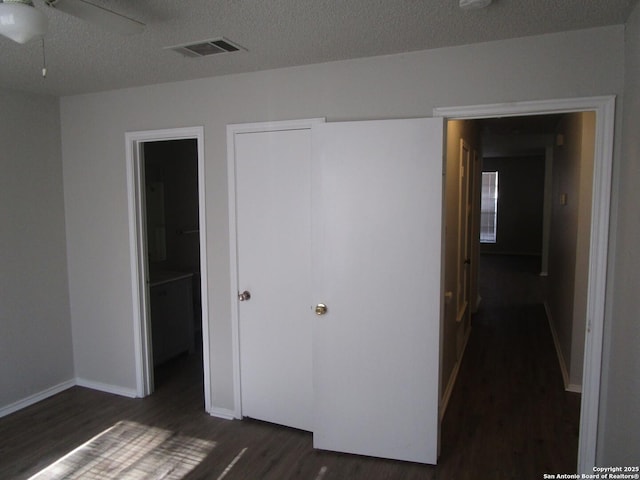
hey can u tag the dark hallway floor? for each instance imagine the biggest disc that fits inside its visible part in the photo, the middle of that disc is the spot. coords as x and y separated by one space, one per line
508 418
509 415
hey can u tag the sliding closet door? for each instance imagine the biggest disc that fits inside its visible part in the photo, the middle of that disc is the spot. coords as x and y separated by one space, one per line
377 245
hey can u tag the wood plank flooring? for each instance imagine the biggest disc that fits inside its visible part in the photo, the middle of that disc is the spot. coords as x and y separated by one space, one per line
508 417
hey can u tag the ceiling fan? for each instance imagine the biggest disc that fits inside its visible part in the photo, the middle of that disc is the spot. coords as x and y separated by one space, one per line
21 21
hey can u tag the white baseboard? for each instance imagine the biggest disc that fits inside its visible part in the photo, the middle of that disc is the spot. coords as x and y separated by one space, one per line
105 387
224 413
453 377
36 397
569 387
572 387
508 253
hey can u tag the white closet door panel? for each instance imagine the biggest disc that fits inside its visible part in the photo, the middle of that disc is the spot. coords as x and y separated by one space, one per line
377 244
274 261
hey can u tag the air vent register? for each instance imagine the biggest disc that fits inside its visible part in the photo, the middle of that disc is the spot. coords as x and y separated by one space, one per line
207 47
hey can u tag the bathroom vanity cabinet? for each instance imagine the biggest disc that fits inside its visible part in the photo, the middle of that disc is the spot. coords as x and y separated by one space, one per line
171 315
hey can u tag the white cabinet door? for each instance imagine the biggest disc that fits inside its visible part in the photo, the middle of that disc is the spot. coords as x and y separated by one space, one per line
273 228
377 249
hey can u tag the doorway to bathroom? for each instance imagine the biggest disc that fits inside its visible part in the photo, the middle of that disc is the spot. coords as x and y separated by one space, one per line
173 258
168 247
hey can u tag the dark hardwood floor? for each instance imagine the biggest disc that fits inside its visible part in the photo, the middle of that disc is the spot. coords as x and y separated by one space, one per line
508 417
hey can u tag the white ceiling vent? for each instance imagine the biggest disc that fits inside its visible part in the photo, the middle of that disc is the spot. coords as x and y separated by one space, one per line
207 47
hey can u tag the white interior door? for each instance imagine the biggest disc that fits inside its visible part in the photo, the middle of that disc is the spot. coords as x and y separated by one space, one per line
273 225
377 248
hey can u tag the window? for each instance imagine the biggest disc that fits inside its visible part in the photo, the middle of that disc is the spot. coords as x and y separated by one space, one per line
489 207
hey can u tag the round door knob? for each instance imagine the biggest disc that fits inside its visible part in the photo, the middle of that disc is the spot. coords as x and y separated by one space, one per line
244 296
321 309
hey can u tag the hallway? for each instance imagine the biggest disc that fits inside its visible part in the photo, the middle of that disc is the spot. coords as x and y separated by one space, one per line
509 416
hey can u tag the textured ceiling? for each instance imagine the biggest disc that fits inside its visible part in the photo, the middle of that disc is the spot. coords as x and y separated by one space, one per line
276 33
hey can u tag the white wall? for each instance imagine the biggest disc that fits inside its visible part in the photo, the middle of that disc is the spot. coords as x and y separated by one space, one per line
570 239
35 325
619 429
573 64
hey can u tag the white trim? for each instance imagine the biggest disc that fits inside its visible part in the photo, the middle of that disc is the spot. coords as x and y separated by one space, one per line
144 369
137 248
478 302
556 343
453 378
107 388
604 108
232 131
204 272
526 108
36 397
568 386
223 413
574 388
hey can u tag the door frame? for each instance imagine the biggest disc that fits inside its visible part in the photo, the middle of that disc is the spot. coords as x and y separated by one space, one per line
138 249
604 107
232 131
464 236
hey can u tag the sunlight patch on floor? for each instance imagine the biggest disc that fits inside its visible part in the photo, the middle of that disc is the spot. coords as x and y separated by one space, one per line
321 473
233 462
131 451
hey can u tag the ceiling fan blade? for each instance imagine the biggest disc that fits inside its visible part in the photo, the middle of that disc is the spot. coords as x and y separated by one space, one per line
98 15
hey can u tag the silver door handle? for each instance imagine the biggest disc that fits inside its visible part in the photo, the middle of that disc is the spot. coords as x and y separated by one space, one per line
244 296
